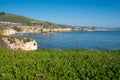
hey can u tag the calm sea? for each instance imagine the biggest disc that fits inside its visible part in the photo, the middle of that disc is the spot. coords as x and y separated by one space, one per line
106 40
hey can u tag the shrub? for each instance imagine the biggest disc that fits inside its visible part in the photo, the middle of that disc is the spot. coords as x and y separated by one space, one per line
27 40
2 13
17 28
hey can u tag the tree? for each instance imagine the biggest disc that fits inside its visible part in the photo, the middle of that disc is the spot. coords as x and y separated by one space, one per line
2 13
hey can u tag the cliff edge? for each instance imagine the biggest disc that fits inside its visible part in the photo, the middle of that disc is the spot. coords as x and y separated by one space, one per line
18 43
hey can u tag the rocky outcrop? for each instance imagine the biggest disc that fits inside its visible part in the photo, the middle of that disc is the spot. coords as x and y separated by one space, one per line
30 29
45 30
8 32
18 43
60 29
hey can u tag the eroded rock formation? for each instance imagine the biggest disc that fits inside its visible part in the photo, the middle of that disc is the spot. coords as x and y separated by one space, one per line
18 43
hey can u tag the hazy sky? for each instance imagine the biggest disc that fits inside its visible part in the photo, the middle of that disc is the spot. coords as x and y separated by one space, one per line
104 13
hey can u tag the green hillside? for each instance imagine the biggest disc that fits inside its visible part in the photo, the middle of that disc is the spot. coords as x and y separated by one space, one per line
14 18
7 17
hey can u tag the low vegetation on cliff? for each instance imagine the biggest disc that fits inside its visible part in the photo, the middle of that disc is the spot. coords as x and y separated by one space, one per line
56 64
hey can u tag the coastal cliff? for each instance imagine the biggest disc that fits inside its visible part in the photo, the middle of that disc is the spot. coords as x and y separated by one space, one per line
45 30
8 32
31 29
18 43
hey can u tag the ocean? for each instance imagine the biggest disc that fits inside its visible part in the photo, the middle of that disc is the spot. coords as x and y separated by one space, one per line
101 40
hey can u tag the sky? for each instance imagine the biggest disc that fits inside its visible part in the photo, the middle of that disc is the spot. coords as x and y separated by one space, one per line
93 13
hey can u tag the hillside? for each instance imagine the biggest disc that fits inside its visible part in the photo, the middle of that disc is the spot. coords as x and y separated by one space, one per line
7 17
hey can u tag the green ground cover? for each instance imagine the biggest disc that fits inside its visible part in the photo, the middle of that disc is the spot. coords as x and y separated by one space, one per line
56 64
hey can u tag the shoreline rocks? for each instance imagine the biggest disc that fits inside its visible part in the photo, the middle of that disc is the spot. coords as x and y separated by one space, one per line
31 29
22 43
18 43
8 32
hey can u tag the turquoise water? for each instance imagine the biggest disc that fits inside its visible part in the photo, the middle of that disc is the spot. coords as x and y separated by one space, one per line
106 40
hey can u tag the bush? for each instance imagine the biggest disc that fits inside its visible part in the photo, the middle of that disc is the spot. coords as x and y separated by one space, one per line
17 28
2 13
27 39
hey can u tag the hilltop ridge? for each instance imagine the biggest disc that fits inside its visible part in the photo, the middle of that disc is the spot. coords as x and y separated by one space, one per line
8 17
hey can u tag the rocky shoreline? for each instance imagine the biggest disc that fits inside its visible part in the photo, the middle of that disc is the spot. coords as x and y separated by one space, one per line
9 39
30 29
18 43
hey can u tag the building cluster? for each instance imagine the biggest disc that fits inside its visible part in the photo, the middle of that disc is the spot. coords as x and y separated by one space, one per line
2 23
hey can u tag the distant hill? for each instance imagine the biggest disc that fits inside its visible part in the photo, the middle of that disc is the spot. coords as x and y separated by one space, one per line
7 17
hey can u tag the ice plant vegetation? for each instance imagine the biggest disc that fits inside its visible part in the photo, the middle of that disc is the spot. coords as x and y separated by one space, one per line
57 64
40 74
